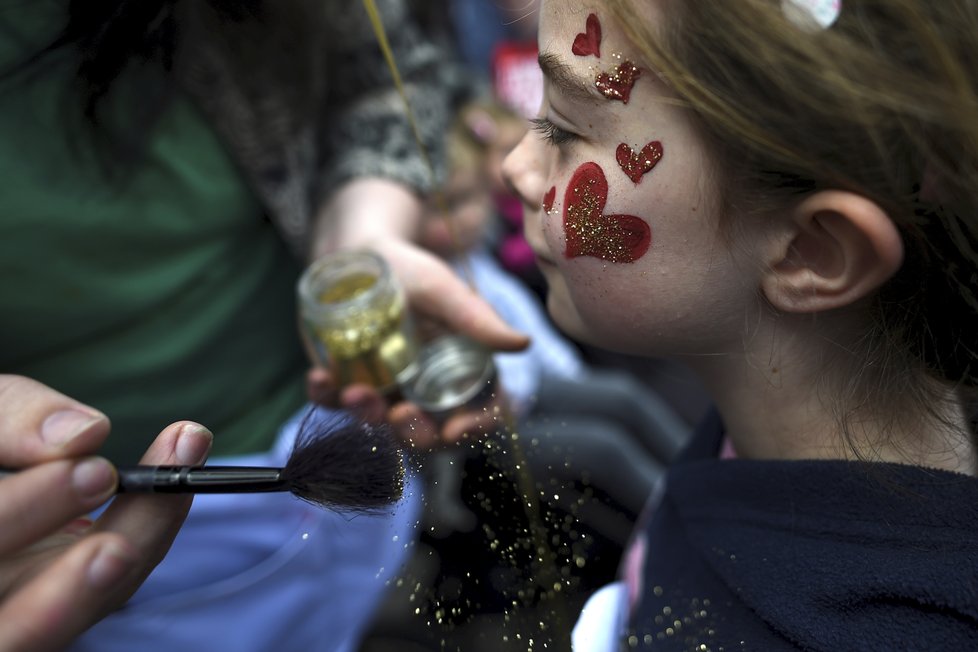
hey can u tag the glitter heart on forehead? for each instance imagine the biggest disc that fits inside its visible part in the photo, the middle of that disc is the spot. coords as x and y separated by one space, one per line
589 232
589 42
638 164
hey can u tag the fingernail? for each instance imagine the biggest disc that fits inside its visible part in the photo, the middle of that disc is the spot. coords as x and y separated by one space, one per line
93 478
64 425
193 444
110 565
78 526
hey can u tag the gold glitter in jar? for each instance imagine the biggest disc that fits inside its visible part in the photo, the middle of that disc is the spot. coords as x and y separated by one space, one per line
355 319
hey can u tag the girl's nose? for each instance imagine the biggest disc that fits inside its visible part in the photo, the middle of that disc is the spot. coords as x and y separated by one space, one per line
524 174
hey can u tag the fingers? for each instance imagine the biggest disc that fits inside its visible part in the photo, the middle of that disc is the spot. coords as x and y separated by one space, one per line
321 388
68 490
37 427
455 304
420 431
64 600
476 423
435 291
149 523
39 424
413 427
107 564
365 402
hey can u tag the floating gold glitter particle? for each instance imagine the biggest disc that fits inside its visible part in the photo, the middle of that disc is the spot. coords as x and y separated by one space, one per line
688 619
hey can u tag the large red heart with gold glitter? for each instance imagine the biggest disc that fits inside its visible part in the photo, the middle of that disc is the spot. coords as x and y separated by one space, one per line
589 232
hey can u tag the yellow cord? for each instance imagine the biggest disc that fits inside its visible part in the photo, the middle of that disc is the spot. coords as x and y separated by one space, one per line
385 47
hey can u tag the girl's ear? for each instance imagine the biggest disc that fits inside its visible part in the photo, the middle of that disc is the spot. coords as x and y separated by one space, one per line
840 248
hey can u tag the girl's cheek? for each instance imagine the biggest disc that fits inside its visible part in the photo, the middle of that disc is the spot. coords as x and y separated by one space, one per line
551 223
553 232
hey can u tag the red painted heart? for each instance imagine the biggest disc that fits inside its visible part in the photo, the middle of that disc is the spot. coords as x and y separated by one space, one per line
589 232
617 85
548 199
589 42
637 165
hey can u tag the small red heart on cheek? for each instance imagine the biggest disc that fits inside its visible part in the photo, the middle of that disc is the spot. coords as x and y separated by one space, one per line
636 165
589 232
590 41
548 199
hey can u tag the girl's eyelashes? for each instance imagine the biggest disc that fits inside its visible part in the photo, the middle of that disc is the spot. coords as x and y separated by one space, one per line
551 132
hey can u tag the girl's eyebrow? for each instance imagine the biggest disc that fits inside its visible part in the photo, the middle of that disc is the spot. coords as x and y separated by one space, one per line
566 78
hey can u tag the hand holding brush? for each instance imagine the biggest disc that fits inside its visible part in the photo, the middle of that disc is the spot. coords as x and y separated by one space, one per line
60 572
336 462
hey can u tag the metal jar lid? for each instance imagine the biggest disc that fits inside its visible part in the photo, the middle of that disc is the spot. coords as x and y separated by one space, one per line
451 372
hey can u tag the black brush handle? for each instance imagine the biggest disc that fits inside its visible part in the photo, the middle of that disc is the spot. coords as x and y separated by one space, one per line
195 479
200 479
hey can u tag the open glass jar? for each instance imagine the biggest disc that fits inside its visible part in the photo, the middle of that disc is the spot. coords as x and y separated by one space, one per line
356 321
358 326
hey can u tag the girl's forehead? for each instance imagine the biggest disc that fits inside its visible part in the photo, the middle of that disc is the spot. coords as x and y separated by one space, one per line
585 55
585 33
565 16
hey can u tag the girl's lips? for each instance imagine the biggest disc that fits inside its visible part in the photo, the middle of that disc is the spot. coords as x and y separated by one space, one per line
537 244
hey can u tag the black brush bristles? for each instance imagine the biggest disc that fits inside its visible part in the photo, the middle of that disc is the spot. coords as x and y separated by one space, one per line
344 464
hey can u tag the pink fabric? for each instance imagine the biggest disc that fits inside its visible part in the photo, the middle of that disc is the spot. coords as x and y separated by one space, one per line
634 570
727 451
515 254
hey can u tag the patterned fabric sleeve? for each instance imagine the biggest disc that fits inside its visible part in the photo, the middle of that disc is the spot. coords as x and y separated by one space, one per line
368 133
306 101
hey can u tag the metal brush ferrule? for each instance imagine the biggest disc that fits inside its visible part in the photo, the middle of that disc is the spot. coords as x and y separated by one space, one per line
200 479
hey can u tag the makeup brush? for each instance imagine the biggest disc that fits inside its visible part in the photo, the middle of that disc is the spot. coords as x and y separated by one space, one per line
336 462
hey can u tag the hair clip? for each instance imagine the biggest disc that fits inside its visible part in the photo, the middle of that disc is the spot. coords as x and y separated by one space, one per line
812 14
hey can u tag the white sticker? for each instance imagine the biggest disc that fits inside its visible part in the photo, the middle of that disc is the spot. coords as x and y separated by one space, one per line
803 12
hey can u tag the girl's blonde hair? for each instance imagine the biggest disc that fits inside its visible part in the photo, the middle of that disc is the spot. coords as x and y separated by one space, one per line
883 103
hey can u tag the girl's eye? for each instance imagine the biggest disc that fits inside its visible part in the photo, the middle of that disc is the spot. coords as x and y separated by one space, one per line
551 132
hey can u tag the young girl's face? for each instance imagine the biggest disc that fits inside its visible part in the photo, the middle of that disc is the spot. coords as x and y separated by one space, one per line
620 205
